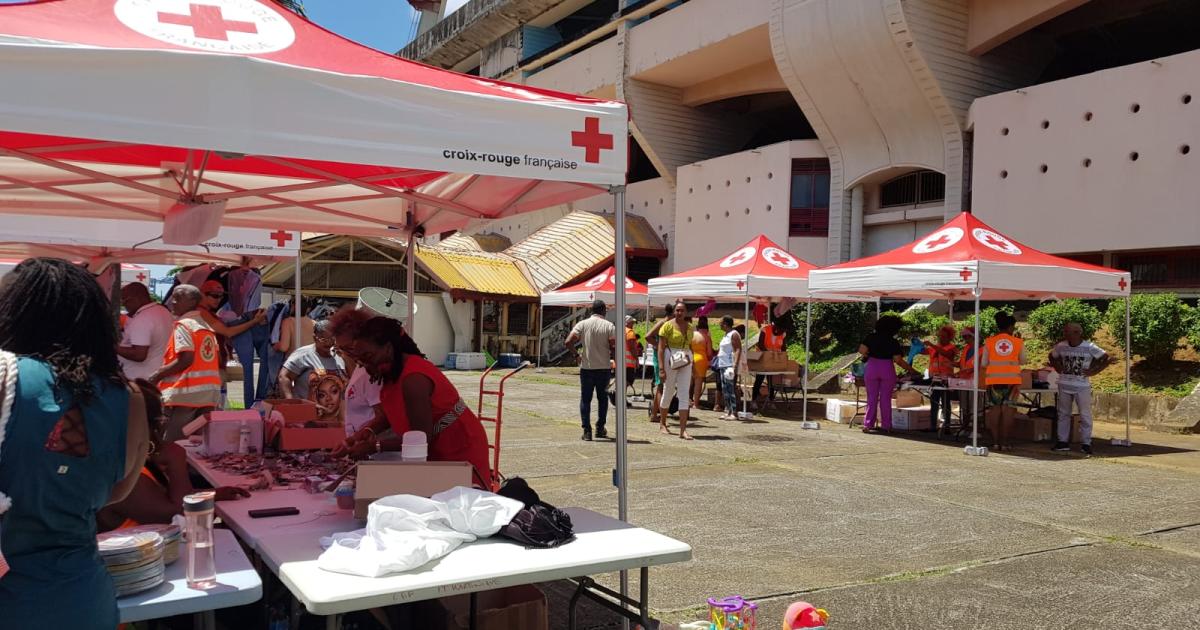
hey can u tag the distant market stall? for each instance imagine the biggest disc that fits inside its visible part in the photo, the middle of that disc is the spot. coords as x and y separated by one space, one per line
966 259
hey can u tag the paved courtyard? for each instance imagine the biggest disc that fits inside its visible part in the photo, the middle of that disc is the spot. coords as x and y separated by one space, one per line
883 531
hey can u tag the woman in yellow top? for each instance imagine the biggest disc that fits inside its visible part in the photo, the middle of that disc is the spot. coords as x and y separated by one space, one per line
702 352
675 357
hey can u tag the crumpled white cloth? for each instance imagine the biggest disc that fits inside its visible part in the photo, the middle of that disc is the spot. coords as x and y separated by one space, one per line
404 531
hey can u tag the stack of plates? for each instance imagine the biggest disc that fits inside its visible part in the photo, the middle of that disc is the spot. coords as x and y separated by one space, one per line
134 559
171 535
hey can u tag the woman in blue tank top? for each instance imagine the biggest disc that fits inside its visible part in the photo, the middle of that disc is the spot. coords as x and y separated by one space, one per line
69 445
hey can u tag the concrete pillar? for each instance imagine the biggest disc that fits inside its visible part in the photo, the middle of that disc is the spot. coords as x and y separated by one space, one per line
856 221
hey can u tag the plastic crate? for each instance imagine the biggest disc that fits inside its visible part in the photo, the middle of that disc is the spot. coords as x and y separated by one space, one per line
451 361
509 360
470 361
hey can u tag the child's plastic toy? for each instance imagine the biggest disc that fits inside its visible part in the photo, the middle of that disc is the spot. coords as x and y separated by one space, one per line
732 613
804 615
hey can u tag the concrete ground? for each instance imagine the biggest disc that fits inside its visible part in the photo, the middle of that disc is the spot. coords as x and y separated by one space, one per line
882 531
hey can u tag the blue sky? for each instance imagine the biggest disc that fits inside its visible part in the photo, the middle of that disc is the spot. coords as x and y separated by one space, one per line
385 25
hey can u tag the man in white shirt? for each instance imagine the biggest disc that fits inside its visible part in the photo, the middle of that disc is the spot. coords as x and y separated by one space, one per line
1076 359
146 332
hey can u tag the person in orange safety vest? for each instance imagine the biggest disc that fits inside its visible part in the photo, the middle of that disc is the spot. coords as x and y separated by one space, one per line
942 358
190 378
1001 360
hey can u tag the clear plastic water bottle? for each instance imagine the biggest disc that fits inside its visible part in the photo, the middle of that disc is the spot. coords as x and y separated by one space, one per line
201 557
244 439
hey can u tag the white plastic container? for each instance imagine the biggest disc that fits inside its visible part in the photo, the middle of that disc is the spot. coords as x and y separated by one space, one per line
414 446
470 361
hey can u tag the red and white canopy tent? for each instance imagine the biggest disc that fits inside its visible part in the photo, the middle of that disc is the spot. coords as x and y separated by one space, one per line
760 269
603 286
967 259
242 114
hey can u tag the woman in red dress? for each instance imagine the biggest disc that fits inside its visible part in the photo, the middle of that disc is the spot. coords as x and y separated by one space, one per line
415 396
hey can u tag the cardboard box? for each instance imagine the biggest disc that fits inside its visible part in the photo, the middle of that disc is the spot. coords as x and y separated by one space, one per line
514 608
907 398
378 479
1031 429
772 361
911 418
840 410
222 434
293 435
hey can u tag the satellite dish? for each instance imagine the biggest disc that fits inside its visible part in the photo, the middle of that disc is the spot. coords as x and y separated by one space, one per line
385 302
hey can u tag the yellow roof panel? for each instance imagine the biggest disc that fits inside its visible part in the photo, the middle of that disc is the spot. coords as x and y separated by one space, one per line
578 243
476 272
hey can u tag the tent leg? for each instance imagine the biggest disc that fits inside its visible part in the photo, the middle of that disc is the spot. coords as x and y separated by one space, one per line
974 448
746 323
114 296
622 468
297 315
541 329
1128 441
807 355
410 275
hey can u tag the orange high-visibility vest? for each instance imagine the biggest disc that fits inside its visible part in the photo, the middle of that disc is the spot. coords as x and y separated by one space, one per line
771 341
630 345
939 365
1004 360
200 384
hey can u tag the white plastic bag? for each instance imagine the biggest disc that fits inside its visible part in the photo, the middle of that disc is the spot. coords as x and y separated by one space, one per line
405 532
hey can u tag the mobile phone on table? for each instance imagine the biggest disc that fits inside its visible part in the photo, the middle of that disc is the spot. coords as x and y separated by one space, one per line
269 512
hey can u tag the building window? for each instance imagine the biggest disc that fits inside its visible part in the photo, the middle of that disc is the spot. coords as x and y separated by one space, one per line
490 318
1165 269
810 198
914 189
518 319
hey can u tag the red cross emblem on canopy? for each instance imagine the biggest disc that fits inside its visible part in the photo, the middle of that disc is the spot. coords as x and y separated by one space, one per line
141 277
965 274
779 257
1121 283
281 238
207 22
944 239
741 285
591 139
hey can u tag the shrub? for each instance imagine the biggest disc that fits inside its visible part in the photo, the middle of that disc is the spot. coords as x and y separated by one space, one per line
1194 329
987 320
1157 321
845 323
1049 319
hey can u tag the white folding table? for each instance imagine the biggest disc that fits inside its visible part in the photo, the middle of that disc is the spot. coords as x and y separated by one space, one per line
238 584
603 545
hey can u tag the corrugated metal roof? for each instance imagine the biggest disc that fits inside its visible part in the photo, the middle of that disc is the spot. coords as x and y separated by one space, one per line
578 243
460 271
639 236
476 242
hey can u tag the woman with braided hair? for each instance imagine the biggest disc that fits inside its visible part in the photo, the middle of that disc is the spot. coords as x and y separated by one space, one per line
73 437
415 395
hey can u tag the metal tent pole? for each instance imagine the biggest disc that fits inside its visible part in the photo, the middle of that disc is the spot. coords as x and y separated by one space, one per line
410 275
541 331
621 472
807 355
1128 441
974 450
297 315
746 323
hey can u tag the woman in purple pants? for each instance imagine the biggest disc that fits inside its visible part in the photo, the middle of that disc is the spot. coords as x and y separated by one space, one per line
882 351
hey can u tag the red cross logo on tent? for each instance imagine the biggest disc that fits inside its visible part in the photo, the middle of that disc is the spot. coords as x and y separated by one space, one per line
281 238
1122 284
780 258
141 277
597 281
591 139
996 242
739 257
741 285
207 22
223 26
965 274
938 240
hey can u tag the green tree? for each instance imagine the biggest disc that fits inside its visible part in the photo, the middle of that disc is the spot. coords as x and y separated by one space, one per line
1157 321
838 325
987 320
1048 319
1194 329
919 322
